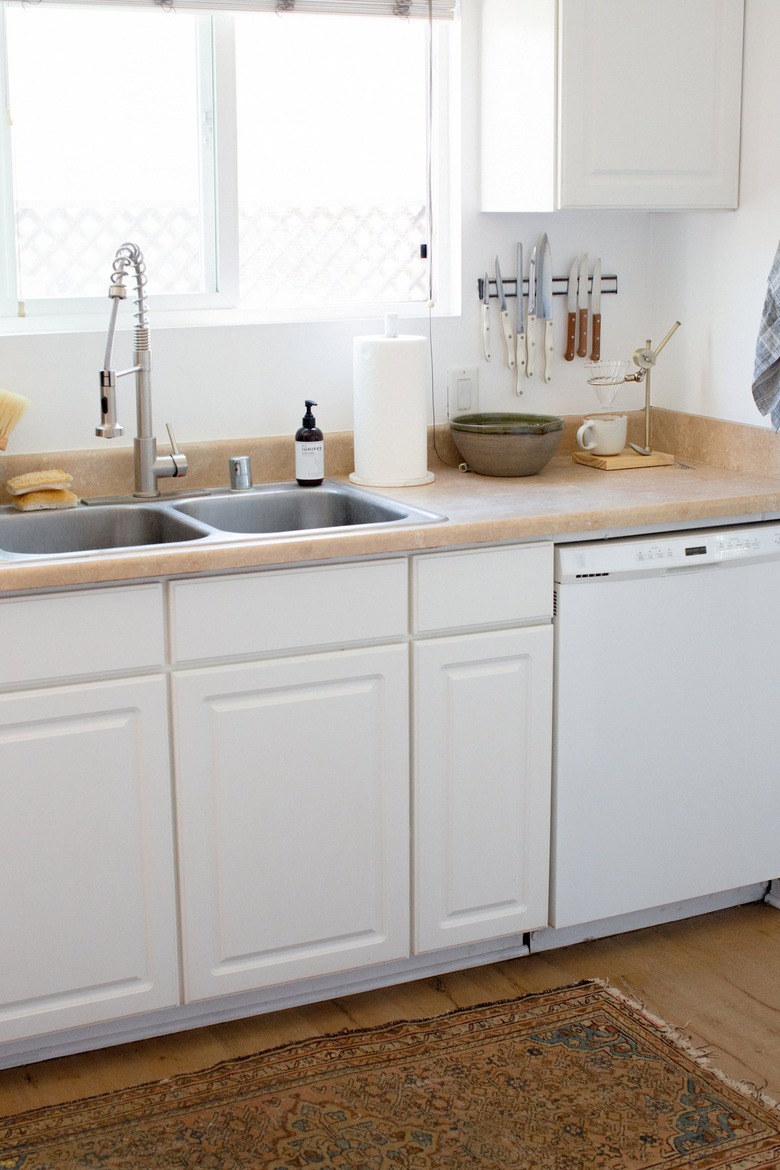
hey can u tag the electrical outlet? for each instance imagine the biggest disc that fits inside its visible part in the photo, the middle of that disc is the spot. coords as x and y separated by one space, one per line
462 390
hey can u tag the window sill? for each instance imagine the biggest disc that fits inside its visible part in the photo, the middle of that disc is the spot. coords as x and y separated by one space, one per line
160 318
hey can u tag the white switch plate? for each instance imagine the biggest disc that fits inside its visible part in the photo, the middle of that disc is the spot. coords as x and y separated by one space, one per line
462 390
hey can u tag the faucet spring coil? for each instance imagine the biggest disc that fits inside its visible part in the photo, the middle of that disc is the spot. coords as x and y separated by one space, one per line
131 254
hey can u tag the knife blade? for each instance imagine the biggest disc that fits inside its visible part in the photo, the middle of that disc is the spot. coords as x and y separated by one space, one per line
571 312
582 304
530 328
519 324
486 318
545 284
506 324
595 312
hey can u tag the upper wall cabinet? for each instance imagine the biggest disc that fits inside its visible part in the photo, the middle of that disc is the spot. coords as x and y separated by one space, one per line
610 104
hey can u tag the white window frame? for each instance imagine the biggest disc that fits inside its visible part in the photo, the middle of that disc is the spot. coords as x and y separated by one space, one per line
219 195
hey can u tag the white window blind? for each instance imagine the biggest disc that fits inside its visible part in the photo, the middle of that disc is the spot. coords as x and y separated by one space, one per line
414 9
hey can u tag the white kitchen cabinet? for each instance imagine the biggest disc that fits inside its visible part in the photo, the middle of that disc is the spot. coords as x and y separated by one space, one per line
482 785
482 745
293 813
292 740
87 912
611 104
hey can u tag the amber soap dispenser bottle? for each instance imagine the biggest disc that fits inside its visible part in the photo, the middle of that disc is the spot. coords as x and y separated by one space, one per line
309 450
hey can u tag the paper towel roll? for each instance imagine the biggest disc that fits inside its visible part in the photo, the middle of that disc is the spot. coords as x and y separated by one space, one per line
390 411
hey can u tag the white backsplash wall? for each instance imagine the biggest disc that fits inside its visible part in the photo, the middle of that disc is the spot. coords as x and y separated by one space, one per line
227 381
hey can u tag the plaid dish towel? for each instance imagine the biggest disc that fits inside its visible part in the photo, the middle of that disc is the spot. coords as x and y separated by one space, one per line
766 373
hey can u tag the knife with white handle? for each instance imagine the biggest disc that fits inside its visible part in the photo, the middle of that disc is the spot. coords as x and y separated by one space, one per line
582 303
506 324
530 329
519 324
571 312
486 318
545 283
595 312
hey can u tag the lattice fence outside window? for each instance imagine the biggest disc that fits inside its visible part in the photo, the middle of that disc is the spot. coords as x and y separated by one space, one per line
292 257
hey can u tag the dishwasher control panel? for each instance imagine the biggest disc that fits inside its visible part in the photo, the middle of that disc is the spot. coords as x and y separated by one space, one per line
666 553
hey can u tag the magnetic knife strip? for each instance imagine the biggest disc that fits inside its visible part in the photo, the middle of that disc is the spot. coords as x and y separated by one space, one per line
609 286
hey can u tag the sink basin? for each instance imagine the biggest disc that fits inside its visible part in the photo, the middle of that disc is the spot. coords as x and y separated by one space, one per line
278 508
80 530
267 510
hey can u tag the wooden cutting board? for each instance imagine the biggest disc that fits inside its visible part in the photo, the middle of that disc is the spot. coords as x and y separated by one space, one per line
627 458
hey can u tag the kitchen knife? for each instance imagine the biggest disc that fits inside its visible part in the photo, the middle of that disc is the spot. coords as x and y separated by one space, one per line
595 312
486 318
519 324
582 303
545 285
530 329
506 324
571 312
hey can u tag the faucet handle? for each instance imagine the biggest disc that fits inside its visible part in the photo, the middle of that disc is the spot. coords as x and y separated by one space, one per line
177 457
172 437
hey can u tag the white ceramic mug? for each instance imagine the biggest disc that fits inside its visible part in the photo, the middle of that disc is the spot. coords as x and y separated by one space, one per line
603 434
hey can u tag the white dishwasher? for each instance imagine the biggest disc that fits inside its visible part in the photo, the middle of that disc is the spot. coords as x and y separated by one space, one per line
666 759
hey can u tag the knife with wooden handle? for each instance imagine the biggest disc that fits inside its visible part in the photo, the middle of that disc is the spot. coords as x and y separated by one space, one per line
595 312
582 303
571 313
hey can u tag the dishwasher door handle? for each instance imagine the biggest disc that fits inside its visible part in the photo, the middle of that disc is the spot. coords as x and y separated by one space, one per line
680 570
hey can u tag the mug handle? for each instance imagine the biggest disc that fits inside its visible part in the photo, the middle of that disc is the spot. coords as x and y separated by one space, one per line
581 437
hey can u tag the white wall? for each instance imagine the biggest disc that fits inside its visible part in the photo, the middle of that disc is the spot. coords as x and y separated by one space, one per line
711 268
223 382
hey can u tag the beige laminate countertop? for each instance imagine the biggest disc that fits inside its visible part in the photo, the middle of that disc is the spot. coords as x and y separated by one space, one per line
565 500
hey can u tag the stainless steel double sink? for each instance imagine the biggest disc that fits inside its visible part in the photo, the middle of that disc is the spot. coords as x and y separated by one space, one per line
267 511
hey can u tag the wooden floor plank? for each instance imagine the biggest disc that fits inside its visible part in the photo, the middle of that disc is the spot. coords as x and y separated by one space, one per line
716 977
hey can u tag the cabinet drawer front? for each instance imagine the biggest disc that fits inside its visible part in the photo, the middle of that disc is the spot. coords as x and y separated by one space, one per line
479 587
288 609
92 632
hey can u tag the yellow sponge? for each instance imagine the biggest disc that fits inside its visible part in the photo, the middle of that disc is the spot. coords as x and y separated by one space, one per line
38 501
33 481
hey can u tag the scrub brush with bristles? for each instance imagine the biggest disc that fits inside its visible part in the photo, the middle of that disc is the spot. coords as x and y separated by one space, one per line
12 407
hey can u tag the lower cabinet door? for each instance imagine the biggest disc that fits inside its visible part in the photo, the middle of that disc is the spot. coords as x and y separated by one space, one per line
481 784
292 781
87 887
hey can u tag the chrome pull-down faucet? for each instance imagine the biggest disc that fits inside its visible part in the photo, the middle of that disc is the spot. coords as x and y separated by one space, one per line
149 467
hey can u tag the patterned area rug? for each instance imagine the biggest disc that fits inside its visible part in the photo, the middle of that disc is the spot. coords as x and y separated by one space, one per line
574 1079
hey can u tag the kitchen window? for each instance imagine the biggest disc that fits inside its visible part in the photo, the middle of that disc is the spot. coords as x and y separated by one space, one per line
282 165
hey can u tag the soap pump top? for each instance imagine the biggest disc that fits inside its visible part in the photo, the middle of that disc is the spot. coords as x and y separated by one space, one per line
309 421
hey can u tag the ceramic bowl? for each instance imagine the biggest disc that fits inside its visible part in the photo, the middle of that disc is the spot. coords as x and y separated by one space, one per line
507 444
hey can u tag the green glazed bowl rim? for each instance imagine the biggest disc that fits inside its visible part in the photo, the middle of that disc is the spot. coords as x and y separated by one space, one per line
507 423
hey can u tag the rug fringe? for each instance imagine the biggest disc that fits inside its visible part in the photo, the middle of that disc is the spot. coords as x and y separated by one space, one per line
679 1038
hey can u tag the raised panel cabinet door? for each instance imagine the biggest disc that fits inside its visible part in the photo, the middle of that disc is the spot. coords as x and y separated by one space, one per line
292 780
87 888
650 103
481 785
